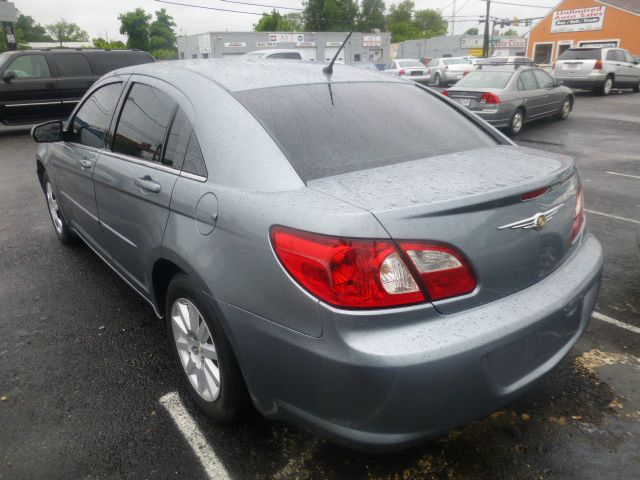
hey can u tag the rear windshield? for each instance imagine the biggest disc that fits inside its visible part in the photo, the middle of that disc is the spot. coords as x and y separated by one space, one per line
327 132
485 79
456 61
581 54
410 63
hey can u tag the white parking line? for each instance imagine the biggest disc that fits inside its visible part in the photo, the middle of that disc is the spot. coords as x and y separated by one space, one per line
617 323
624 219
194 437
623 175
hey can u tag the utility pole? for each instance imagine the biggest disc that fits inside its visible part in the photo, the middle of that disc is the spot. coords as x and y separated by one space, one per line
453 19
485 43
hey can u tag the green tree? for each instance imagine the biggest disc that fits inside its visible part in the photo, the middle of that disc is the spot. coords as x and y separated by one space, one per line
135 25
472 31
30 31
330 15
313 17
371 15
273 22
405 24
510 33
111 45
295 20
430 23
161 34
63 31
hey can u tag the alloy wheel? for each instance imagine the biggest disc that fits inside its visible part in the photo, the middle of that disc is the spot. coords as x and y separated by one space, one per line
566 108
608 85
516 122
54 209
196 349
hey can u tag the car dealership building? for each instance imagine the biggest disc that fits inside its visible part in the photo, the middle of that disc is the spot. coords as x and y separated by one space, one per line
584 23
313 46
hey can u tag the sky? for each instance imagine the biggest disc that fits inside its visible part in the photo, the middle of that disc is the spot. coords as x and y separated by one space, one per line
100 18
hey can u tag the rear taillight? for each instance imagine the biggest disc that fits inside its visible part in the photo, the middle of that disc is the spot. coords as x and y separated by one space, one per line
490 98
578 216
361 273
445 93
402 72
598 65
534 194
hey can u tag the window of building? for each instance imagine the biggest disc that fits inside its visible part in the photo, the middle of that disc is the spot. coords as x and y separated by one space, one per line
143 123
195 55
72 65
542 53
205 55
30 66
90 125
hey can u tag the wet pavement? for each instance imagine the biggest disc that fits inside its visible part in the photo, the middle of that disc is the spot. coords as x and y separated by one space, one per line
84 363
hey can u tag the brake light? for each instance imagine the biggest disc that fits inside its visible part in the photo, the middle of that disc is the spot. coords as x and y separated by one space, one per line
578 216
490 98
443 270
598 65
445 93
402 72
363 273
534 194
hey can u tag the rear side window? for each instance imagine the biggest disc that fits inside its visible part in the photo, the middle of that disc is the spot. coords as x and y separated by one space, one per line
72 65
30 66
193 160
581 54
527 81
544 80
143 123
183 150
347 128
286 55
90 125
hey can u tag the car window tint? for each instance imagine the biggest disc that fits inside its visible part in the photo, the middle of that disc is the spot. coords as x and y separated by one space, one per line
90 125
581 54
178 140
346 128
544 79
620 56
528 80
72 65
286 55
30 66
108 61
193 160
486 79
611 55
143 123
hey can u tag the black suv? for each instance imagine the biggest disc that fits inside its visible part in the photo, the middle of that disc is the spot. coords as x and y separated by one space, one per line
40 85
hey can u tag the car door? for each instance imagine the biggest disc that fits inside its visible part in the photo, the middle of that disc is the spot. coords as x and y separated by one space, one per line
633 69
75 76
32 94
552 95
532 96
75 159
133 183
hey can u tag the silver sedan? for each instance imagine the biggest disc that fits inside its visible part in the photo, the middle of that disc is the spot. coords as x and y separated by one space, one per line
508 97
409 69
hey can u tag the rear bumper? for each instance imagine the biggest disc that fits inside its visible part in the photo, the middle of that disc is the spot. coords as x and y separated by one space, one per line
592 80
382 381
499 118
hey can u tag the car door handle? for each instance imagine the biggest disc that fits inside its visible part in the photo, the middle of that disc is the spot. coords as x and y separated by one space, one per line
147 183
84 163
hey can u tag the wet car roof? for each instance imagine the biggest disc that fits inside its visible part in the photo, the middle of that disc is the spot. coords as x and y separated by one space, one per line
236 75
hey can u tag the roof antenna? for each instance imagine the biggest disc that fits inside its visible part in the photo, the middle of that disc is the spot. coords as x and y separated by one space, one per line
329 68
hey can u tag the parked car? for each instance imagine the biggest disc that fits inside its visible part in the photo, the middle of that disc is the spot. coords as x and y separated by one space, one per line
43 84
272 54
508 97
375 286
445 71
598 69
408 68
374 67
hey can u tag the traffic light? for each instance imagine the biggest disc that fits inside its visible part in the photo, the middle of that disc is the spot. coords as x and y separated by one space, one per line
515 21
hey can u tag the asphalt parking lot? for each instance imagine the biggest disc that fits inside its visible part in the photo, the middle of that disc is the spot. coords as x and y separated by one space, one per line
88 385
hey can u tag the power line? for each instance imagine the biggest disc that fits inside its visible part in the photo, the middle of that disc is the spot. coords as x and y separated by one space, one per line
518 4
263 5
210 8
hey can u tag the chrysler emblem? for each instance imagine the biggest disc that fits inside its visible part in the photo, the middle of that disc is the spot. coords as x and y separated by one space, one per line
537 222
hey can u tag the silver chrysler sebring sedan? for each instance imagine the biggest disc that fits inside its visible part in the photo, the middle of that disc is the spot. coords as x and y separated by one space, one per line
375 271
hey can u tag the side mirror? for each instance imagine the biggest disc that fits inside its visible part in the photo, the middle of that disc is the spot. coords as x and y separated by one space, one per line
8 76
48 132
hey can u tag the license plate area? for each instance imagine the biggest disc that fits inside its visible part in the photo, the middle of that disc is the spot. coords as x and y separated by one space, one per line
465 102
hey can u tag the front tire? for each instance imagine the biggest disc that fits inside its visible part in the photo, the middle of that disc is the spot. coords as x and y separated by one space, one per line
565 109
516 123
55 213
637 87
209 367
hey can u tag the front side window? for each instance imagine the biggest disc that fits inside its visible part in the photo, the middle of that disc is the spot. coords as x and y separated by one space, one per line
544 80
90 125
325 132
72 65
143 123
30 66
628 58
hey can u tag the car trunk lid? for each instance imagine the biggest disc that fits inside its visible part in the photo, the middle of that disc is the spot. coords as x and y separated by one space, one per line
462 200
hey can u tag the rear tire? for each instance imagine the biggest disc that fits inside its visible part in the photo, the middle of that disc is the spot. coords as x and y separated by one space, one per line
55 213
516 123
637 87
565 109
210 369
606 87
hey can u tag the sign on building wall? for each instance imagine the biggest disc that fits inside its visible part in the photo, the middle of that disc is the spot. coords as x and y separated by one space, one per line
372 40
512 43
286 37
204 44
235 44
578 19
471 42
